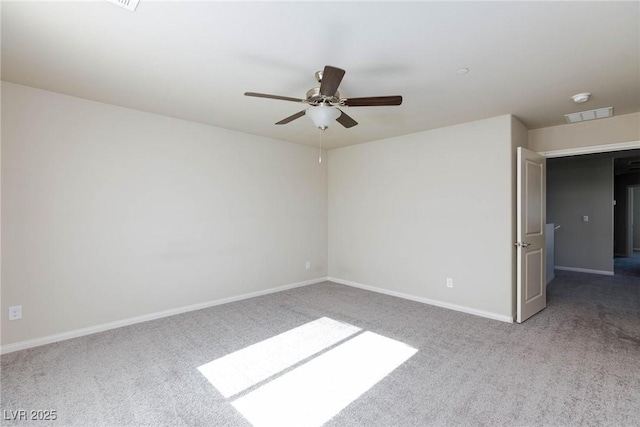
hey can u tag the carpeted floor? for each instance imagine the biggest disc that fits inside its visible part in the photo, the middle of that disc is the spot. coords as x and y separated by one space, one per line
577 363
627 266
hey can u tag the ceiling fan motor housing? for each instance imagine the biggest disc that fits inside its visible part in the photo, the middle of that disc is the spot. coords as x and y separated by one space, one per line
315 97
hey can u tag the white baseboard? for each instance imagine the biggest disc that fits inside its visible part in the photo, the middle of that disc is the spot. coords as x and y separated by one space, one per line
585 270
468 310
36 342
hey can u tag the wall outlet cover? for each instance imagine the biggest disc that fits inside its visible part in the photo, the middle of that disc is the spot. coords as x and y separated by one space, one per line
15 312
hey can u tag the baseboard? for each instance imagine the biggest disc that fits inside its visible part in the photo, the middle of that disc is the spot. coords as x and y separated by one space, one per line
585 270
36 342
461 308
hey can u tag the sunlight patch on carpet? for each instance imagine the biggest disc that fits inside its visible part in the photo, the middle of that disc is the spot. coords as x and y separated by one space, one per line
244 368
314 392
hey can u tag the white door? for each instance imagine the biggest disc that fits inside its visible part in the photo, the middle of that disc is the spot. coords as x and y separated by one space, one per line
531 219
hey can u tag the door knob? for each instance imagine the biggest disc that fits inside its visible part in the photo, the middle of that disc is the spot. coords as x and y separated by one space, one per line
522 244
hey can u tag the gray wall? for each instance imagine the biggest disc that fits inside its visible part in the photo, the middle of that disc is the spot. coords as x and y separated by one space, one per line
109 213
406 213
579 186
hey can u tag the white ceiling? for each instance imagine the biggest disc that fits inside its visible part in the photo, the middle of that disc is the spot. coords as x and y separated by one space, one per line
194 60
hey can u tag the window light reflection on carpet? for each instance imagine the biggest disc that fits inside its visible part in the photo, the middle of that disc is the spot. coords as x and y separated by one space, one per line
337 363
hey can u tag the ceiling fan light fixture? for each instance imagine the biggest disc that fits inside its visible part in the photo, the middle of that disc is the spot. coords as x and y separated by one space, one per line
324 100
322 115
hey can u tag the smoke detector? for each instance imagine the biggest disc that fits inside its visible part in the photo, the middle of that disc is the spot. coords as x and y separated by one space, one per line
581 97
130 5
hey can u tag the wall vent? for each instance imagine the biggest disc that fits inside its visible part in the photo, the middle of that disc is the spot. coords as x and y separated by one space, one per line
582 116
127 4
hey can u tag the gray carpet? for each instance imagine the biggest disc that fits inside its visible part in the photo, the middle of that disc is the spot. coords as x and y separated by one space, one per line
576 363
627 266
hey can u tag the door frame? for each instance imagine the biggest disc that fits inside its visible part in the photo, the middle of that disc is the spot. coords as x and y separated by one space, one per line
568 152
630 215
593 149
629 247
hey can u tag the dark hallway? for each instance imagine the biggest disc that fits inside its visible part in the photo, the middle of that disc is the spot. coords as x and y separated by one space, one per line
627 266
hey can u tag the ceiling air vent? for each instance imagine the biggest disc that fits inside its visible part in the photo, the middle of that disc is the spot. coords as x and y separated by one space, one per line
600 113
127 4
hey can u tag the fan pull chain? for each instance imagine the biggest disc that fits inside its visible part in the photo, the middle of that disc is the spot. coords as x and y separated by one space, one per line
320 148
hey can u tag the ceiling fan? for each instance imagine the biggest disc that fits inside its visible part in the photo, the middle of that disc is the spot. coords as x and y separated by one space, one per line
325 100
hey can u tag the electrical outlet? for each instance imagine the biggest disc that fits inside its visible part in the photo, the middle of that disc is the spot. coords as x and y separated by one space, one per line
15 312
449 282
308 265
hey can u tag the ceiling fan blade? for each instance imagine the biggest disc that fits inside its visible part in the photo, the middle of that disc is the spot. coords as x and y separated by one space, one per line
291 118
373 101
265 95
346 120
331 78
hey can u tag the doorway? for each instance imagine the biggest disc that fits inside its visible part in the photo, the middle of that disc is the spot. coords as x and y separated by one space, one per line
628 263
588 197
627 194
